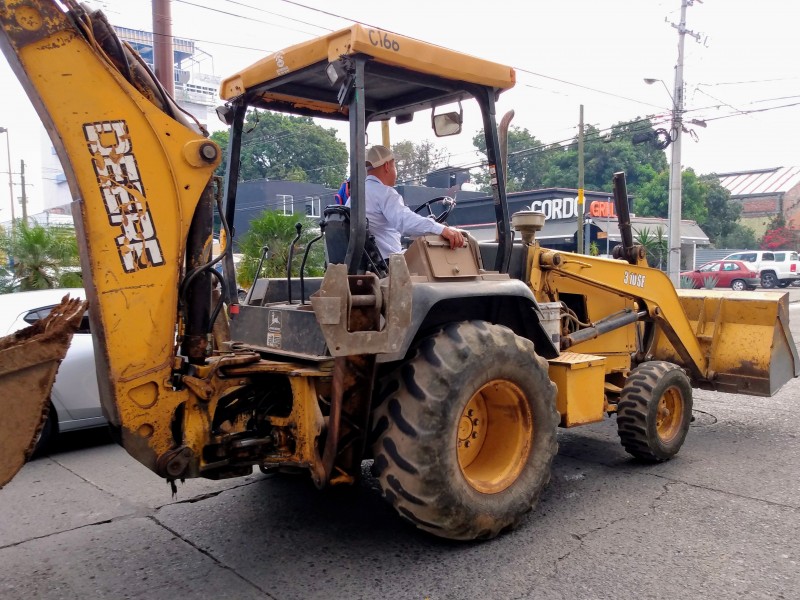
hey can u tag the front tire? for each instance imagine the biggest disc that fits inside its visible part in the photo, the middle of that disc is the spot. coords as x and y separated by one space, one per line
654 411
465 431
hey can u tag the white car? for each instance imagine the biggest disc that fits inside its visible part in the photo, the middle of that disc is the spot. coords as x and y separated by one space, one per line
777 268
75 399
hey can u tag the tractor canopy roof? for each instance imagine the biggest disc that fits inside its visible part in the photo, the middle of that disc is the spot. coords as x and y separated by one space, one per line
403 75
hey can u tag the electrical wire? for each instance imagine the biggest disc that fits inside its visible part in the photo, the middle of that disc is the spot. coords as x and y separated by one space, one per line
342 17
277 15
553 146
246 18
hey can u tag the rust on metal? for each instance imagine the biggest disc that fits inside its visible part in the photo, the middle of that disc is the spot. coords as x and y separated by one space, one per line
29 361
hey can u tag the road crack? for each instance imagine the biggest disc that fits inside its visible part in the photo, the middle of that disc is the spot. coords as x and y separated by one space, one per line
208 554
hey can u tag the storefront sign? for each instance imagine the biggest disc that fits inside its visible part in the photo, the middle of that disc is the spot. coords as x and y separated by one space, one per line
567 208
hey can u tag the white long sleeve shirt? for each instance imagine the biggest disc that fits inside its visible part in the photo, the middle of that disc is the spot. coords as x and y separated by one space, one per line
389 217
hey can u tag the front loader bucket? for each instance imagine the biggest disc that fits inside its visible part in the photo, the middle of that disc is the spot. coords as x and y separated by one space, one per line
29 359
745 337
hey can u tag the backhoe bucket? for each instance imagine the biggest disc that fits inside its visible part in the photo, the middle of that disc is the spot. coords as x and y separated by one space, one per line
745 337
29 360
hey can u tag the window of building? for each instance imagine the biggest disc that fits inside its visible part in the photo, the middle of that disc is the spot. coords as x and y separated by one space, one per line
285 204
313 206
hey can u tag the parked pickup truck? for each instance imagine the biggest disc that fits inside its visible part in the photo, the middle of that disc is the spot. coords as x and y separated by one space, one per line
776 268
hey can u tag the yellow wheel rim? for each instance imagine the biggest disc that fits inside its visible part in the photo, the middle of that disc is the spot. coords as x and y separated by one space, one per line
670 414
495 436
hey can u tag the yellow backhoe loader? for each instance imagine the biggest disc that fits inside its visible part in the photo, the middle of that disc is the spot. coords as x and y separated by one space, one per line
450 369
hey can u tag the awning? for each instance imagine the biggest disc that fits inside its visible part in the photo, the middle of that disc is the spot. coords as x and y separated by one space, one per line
690 230
554 230
564 230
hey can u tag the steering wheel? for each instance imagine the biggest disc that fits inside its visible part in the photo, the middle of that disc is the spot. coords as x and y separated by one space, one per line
446 201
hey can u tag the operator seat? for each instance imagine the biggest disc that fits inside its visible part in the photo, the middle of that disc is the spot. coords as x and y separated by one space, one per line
336 226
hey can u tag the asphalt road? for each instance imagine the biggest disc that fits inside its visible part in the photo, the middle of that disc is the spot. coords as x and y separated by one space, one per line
721 520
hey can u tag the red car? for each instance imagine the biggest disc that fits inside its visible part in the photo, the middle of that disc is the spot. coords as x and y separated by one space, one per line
728 273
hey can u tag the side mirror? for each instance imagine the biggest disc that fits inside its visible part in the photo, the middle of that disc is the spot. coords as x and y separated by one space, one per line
448 123
225 114
340 72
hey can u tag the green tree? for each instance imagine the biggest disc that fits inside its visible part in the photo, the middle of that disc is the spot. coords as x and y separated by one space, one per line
652 199
221 138
694 197
276 231
526 160
534 165
415 161
604 155
629 146
722 213
277 146
740 236
43 257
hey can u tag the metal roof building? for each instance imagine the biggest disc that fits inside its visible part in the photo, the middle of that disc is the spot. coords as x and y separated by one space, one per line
759 182
764 194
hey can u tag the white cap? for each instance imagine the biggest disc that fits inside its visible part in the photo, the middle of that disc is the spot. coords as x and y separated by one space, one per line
378 155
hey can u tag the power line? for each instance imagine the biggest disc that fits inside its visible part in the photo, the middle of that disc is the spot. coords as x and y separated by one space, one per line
324 12
342 17
584 87
754 110
239 16
278 15
520 69
747 82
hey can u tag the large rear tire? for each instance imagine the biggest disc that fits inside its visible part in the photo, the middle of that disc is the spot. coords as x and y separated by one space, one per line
654 411
465 431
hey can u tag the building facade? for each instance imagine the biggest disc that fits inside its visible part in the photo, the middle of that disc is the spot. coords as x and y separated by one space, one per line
560 232
196 91
764 194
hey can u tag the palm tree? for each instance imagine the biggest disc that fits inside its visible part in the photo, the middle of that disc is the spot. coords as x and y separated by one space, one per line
6 278
40 257
655 243
277 231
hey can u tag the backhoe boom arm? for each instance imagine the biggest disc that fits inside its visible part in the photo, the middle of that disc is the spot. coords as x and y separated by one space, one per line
136 174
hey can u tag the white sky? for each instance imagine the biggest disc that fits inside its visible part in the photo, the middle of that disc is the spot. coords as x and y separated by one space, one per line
567 53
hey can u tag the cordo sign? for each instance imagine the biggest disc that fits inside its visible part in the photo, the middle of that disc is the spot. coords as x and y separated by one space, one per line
567 208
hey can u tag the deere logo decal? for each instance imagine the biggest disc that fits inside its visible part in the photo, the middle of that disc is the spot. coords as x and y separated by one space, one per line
123 194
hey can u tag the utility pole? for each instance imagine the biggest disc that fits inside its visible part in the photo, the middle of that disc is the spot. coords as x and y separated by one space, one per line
163 53
580 249
675 208
24 198
10 180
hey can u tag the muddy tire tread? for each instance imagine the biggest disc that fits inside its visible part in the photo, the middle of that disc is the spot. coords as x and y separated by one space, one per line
414 463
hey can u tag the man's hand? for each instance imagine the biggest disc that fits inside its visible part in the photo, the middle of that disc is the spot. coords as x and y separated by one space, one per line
454 236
